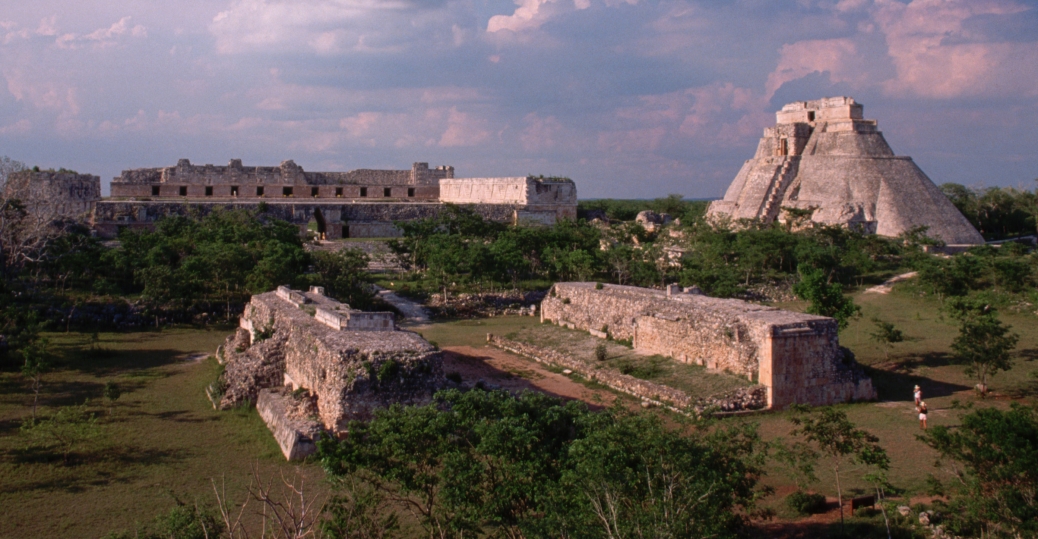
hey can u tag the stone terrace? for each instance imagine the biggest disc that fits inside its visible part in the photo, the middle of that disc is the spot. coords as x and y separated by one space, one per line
796 356
348 372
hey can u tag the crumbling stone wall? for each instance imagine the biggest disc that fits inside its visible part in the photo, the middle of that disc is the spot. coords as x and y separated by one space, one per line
796 356
55 195
737 400
349 372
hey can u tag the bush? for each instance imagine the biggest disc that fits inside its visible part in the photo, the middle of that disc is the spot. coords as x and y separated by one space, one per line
387 370
600 352
806 504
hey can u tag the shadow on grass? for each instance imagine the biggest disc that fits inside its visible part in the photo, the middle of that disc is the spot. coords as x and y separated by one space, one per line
95 467
113 362
1029 354
897 386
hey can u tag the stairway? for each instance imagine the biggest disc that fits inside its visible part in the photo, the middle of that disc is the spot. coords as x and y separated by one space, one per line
769 212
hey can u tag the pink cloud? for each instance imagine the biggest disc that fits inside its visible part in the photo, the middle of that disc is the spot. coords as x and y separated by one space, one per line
928 66
540 134
463 130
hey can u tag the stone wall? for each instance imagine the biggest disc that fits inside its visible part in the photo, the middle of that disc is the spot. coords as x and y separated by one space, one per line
55 195
796 356
335 219
741 399
287 418
350 373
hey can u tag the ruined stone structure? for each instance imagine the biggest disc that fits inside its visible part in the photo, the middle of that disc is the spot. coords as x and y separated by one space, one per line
313 364
796 356
822 154
55 195
359 203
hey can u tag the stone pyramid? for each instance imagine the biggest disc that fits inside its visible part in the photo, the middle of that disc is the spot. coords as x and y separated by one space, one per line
822 154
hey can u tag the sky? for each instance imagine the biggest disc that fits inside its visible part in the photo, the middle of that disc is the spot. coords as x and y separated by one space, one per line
630 98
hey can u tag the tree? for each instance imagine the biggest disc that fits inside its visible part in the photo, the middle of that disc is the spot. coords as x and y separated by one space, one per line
111 393
7 167
68 429
996 472
344 275
493 464
887 335
36 365
983 343
838 438
826 298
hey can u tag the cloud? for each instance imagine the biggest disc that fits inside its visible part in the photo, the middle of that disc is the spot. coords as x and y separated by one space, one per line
463 129
531 14
321 26
937 56
839 57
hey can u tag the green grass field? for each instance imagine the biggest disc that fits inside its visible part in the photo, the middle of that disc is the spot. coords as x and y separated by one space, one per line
162 439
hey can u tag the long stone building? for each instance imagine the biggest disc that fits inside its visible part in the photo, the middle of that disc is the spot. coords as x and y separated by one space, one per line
796 356
358 203
824 155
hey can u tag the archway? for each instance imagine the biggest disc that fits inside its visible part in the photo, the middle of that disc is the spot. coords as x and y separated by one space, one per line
317 225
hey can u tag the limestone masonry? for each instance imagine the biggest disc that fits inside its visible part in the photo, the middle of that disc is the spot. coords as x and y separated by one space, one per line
312 364
358 203
822 154
796 356
55 195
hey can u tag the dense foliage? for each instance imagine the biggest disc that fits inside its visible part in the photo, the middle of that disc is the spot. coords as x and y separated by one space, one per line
490 463
459 250
995 492
997 212
626 210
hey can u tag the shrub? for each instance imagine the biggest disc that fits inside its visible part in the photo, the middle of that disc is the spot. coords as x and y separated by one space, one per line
387 370
600 352
598 286
806 504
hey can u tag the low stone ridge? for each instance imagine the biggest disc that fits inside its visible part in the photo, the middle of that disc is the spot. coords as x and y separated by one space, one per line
823 155
349 370
737 400
796 356
291 419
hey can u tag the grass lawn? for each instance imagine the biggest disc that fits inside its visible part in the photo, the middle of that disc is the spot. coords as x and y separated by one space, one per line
925 358
162 439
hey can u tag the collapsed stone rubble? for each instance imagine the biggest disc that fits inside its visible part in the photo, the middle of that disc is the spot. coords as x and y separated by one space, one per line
305 351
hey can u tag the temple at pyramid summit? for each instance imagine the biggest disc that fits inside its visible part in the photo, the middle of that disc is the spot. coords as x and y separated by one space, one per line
822 154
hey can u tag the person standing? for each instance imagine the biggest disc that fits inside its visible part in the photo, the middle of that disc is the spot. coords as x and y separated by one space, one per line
918 393
922 414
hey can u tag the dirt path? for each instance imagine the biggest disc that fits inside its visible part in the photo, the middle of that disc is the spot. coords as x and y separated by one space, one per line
888 285
413 312
498 368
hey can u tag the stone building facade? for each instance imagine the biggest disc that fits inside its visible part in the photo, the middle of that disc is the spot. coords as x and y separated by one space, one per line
359 203
55 195
824 155
347 362
796 356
